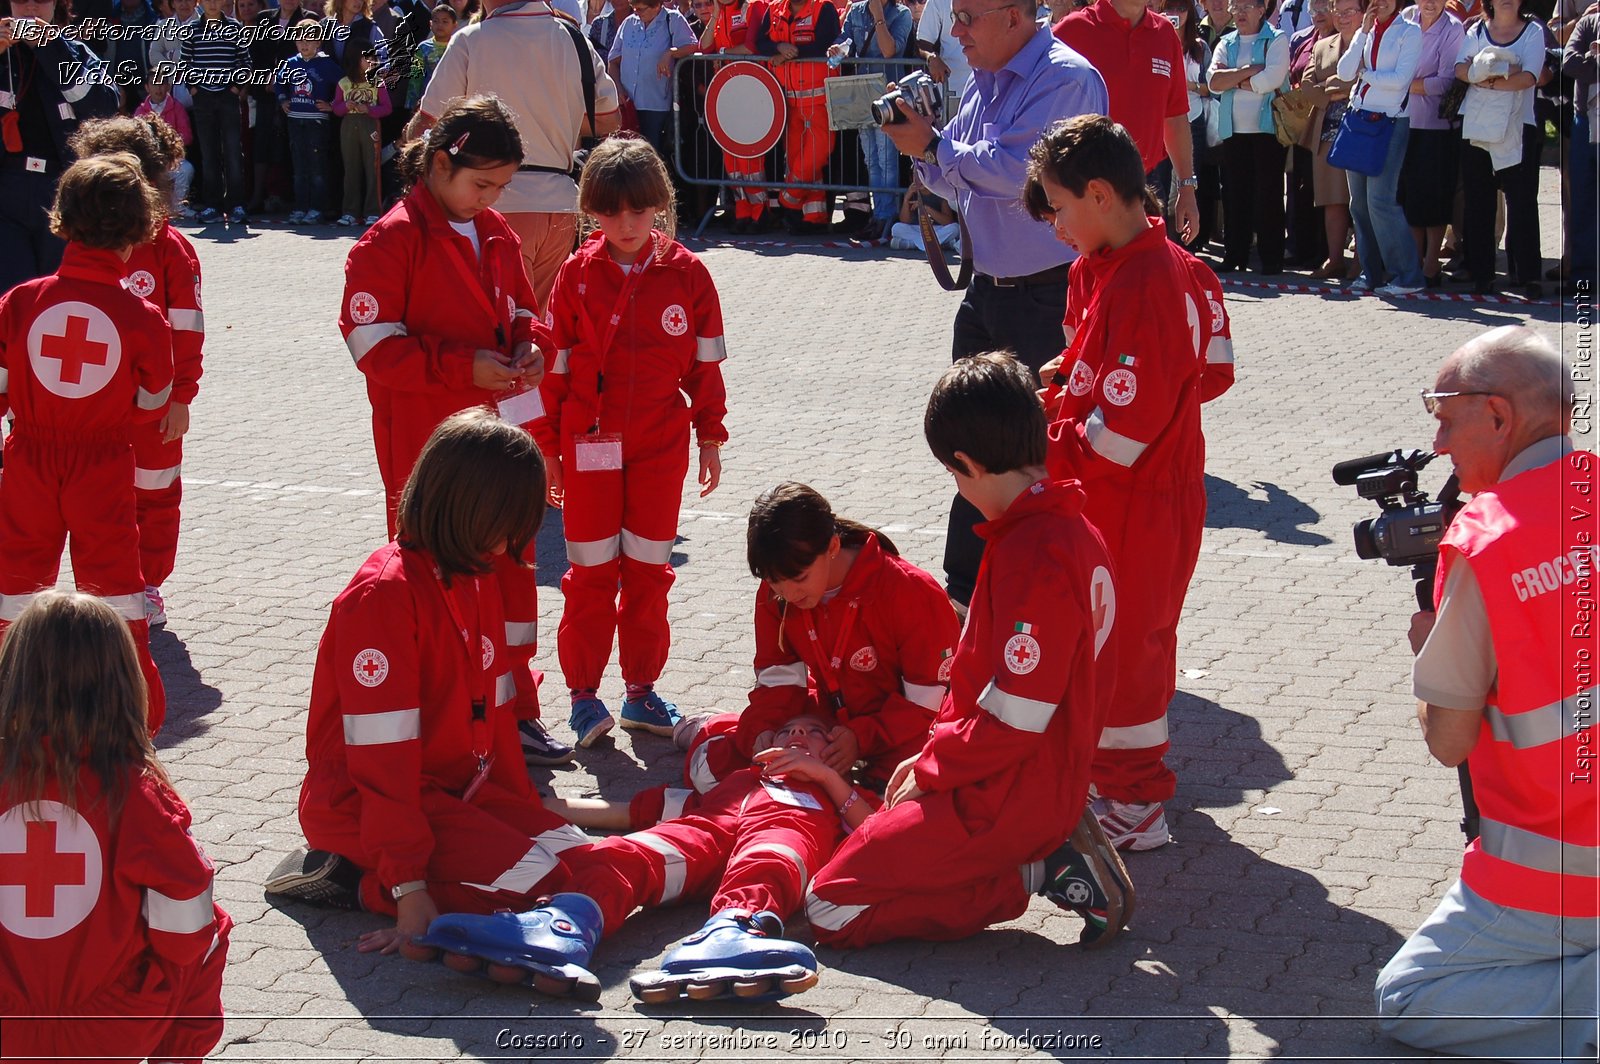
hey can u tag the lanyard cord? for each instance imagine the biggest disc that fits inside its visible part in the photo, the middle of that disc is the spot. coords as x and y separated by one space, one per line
828 665
480 704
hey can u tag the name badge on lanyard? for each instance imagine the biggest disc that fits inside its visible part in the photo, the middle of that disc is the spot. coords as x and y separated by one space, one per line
797 799
599 452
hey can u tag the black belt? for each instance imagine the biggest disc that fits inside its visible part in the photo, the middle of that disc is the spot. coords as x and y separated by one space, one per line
1054 275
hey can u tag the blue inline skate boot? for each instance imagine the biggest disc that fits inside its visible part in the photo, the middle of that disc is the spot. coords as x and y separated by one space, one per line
735 955
548 948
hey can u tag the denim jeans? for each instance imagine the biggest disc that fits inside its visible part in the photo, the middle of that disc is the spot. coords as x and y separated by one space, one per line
653 127
217 128
311 145
1480 979
883 171
1383 239
1581 220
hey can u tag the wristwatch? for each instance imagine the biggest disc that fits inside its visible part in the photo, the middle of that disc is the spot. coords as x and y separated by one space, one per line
930 154
411 887
1188 182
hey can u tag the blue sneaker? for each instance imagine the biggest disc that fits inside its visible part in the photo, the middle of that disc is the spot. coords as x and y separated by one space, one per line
590 720
735 955
548 948
651 713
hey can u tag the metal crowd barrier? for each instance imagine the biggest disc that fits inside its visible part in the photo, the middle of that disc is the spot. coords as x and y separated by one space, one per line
698 159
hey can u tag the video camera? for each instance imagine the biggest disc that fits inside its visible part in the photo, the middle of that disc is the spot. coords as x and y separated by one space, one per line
918 90
1410 527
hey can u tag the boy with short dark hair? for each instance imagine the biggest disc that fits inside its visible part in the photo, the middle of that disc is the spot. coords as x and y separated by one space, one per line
1148 343
981 816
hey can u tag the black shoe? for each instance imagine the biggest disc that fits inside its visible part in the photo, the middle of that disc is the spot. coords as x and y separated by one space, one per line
740 226
1436 281
317 877
539 747
1484 288
1533 290
1085 875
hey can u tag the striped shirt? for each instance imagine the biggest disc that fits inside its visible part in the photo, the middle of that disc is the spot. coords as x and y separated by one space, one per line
212 52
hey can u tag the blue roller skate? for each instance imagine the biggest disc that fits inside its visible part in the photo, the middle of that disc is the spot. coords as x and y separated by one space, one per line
548 948
735 955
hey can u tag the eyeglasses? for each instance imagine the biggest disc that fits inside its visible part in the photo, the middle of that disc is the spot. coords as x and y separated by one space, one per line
967 18
1430 400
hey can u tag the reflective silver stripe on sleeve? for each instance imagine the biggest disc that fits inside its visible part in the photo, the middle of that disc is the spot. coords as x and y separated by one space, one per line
505 689
178 916
11 606
5 380
523 312
156 479
928 696
563 358
523 876
828 916
1023 714
187 320
1219 351
673 799
1538 852
675 868
783 675
1135 737
700 773
564 837
649 551
379 729
128 607
1547 724
363 338
522 633
710 349
788 853
77 91
1110 445
594 551
148 400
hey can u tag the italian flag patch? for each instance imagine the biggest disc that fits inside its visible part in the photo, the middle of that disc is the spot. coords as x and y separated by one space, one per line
1125 360
1025 629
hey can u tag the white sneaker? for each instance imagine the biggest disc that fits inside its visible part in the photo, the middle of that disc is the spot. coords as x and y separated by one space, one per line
1132 825
1392 290
297 217
1360 286
346 219
898 243
372 219
155 607
313 218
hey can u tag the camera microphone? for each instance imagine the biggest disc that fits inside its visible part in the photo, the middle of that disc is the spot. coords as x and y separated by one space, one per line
1345 473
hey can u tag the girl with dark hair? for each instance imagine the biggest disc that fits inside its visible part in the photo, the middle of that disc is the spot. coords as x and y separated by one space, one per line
439 316
844 626
131 953
415 800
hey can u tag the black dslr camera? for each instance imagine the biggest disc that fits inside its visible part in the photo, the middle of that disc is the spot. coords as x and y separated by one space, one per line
918 90
1410 528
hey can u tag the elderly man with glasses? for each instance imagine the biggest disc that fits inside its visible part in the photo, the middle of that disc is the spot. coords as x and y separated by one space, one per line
1506 966
1023 80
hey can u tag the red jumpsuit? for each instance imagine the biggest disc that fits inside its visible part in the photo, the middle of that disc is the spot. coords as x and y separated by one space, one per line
1005 770
166 272
415 770
82 360
1142 320
884 643
646 377
105 917
807 140
741 27
418 304
750 844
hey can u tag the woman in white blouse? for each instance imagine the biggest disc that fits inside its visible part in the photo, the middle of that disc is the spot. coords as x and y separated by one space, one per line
1382 61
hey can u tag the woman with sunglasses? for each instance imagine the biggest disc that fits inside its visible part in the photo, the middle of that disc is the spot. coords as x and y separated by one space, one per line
39 111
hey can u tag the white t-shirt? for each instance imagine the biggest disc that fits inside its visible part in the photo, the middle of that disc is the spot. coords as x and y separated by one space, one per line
1529 50
470 231
933 30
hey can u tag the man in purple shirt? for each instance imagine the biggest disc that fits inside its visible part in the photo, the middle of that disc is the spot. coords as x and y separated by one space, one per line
1023 80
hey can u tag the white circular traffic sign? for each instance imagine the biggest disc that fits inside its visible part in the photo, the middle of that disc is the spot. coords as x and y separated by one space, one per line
744 110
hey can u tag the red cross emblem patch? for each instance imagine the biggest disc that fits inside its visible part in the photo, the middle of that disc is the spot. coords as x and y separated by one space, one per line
50 870
141 283
674 321
1103 601
371 668
1022 654
865 659
1082 378
1120 387
75 350
363 308
488 652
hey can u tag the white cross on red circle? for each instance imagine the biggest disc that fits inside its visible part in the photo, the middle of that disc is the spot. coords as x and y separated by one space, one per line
50 870
74 349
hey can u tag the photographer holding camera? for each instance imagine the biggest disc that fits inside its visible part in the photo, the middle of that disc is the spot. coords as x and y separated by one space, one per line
1023 80
1504 679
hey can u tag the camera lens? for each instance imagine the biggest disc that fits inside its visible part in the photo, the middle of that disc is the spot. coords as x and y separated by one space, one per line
1366 542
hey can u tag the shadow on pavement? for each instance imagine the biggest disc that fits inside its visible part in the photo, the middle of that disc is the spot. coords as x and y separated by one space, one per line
189 698
1219 754
1279 517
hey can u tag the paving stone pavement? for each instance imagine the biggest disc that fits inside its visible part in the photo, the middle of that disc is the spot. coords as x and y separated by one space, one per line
1313 833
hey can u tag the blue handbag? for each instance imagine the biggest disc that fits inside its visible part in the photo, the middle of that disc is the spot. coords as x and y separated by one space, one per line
1362 143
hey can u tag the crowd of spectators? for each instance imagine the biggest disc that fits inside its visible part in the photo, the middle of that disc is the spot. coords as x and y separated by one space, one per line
1482 93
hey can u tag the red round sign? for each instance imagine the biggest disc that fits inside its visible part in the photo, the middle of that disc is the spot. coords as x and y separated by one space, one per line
744 109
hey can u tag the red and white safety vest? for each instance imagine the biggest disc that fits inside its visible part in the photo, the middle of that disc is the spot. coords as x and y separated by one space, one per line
1531 544
800 78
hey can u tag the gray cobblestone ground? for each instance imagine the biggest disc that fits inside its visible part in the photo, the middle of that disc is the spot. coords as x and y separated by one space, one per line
1312 832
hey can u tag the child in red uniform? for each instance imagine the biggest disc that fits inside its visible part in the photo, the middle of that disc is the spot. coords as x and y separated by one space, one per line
749 844
166 272
638 327
842 622
82 362
1148 345
106 907
439 317
1003 778
415 799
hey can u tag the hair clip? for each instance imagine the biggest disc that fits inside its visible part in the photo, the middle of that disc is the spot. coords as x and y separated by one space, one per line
461 142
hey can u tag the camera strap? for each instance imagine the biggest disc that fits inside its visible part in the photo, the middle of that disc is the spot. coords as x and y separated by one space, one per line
935 253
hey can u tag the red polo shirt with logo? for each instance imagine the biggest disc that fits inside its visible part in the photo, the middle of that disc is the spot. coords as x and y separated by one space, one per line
1142 65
